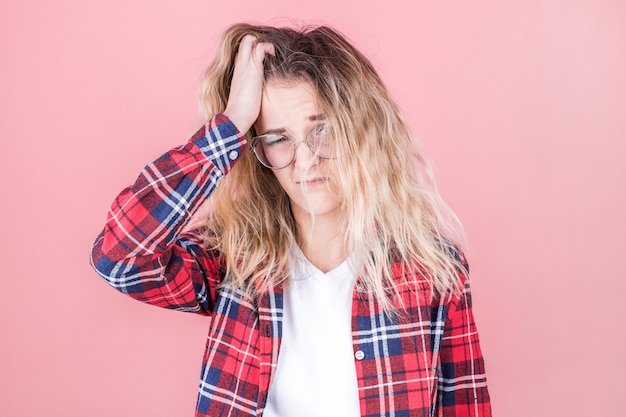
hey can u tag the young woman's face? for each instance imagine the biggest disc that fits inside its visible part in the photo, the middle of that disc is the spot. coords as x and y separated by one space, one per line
291 109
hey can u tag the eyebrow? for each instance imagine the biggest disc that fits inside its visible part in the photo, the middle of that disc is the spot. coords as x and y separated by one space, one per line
282 130
317 117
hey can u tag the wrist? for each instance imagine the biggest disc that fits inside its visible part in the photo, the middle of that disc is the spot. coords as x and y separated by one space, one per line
242 123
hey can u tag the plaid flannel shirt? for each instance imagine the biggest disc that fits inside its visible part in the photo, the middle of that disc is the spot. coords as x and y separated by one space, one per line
426 362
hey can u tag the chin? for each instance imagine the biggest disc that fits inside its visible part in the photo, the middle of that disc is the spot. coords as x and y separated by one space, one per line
318 208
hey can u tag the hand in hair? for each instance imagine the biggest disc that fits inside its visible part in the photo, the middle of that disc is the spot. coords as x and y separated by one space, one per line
246 89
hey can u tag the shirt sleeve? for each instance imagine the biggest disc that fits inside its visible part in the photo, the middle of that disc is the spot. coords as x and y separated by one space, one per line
462 380
142 251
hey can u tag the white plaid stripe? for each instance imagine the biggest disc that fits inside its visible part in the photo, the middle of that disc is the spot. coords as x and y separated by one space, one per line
383 389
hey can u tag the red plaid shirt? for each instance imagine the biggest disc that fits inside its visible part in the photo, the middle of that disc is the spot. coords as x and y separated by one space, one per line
427 362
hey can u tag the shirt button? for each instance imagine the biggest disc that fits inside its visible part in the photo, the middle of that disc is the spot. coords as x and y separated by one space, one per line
359 354
360 288
233 155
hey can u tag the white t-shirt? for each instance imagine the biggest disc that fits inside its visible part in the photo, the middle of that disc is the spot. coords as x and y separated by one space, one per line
315 375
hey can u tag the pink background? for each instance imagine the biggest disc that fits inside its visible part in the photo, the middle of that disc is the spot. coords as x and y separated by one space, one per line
521 105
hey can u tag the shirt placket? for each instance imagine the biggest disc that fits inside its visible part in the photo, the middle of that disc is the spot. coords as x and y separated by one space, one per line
365 363
270 321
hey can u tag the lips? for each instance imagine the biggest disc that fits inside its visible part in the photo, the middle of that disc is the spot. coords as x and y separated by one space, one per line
313 181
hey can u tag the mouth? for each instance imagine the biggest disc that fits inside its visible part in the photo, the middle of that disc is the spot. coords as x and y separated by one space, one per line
313 182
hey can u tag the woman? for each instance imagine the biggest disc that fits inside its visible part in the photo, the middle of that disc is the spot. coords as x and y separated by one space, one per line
325 259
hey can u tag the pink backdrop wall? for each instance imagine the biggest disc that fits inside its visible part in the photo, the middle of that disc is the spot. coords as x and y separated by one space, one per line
521 105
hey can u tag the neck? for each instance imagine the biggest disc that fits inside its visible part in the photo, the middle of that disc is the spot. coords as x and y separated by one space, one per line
322 241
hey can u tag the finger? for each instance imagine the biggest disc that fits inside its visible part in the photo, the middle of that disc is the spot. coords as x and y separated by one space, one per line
247 40
260 51
244 49
265 48
246 45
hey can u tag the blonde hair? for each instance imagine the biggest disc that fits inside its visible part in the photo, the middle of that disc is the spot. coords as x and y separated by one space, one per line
393 211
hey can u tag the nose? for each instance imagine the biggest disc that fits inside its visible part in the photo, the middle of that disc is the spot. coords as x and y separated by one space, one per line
304 157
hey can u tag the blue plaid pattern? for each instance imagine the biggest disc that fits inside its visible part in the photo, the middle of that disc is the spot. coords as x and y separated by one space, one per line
424 362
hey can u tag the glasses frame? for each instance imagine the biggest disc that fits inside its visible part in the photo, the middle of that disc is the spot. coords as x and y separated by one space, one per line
309 143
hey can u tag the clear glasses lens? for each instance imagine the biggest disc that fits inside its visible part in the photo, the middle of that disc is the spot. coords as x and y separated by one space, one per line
277 151
319 141
274 150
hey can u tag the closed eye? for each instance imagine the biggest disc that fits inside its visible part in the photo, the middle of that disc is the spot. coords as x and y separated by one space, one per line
274 139
322 129
320 133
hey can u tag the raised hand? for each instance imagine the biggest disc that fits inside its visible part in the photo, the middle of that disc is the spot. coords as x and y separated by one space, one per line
246 90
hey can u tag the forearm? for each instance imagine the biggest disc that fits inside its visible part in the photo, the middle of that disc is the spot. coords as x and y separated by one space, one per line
147 217
140 251
462 379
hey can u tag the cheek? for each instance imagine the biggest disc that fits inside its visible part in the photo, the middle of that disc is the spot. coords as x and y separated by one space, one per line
282 177
333 185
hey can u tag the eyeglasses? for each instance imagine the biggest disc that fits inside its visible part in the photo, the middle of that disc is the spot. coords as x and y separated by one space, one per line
277 151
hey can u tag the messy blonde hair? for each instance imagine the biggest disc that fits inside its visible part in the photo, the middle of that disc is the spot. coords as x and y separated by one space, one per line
393 212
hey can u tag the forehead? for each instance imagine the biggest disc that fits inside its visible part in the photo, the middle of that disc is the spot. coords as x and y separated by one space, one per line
291 106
